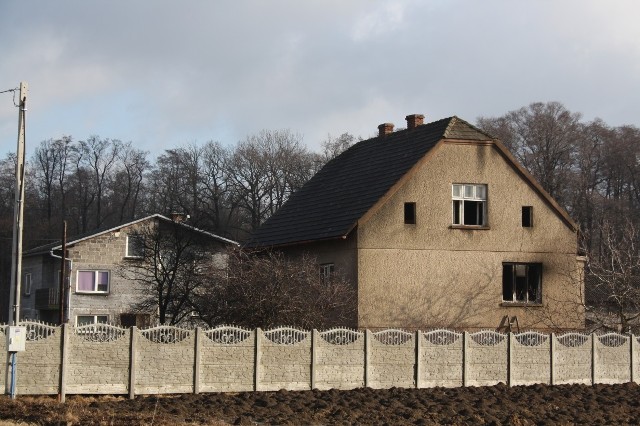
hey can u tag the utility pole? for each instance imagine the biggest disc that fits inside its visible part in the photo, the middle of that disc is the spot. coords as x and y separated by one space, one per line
16 255
17 335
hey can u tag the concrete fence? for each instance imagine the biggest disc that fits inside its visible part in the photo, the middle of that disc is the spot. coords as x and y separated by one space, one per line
105 359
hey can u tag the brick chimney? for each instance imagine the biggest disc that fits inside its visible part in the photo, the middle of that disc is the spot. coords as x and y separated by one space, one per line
414 120
179 217
385 129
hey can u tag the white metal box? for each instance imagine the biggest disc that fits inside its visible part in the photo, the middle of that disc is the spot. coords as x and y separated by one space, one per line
16 338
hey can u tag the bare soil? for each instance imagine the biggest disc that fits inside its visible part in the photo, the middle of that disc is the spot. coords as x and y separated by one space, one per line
494 405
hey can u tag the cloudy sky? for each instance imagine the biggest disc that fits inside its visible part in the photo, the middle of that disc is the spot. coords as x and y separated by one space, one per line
166 73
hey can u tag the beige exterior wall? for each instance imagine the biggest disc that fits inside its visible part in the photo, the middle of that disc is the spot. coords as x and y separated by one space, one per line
429 274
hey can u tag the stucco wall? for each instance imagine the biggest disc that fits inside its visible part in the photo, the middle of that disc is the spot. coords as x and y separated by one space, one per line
430 274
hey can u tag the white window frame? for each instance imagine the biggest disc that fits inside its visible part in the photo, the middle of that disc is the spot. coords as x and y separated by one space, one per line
462 192
94 322
27 284
129 255
95 282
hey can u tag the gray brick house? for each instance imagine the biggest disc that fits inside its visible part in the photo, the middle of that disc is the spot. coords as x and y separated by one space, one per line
98 293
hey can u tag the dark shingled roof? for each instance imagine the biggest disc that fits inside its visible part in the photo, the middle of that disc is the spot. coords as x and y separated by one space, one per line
330 204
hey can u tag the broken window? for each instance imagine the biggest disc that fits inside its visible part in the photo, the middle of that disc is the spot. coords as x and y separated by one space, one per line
469 204
527 216
326 271
522 282
410 213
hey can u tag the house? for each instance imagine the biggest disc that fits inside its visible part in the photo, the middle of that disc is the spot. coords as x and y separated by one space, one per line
436 225
100 292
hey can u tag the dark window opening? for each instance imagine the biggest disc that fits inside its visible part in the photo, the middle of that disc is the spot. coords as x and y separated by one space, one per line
410 213
527 216
521 282
473 212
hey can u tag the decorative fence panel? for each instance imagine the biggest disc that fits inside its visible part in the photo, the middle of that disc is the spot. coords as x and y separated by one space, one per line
38 367
612 358
572 359
98 359
102 358
339 359
165 359
487 358
441 359
393 358
530 358
3 351
227 360
285 359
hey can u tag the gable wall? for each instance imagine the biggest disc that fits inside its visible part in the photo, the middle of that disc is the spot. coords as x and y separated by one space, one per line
429 274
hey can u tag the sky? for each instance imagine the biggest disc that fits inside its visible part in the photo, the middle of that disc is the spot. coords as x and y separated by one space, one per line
164 74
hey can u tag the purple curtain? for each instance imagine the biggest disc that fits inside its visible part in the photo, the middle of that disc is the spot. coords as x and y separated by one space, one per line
85 281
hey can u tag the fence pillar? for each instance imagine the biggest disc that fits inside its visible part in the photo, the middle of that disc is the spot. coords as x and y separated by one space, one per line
593 358
509 358
257 360
367 357
465 356
632 346
64 359
132 361
314 355
552 361
418 345
196 361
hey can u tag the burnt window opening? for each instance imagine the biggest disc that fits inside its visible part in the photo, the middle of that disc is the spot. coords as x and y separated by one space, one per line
522 282
469 204
326 271
527 216
410 213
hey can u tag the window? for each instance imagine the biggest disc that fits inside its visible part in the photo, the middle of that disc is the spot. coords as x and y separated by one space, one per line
522 282
527 216
91 320
469 204
27 284
135 246
410 213
326 271
93 282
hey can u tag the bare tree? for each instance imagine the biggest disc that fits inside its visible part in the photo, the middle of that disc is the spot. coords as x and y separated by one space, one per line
613 277
168 269
269 289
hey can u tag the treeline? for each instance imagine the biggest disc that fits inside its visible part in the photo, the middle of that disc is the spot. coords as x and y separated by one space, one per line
100 182
591 169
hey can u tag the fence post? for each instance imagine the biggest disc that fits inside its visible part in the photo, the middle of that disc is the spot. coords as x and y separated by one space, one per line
552 363
64 356
196 361
418 356
509 358
367 357
314 359
132 361
593 358
465 350
632 346
257 360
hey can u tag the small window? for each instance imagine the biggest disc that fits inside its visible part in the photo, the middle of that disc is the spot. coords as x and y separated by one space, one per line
522 282
27 284
91 320
469 204
135 246
410 213
326 271
93 282
527 216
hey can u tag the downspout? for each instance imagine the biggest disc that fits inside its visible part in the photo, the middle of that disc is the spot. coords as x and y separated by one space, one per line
67 292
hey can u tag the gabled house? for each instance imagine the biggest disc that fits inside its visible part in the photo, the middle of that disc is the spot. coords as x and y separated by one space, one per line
436 225
98 291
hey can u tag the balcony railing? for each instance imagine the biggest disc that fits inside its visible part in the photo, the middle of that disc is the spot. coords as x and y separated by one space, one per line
47 298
